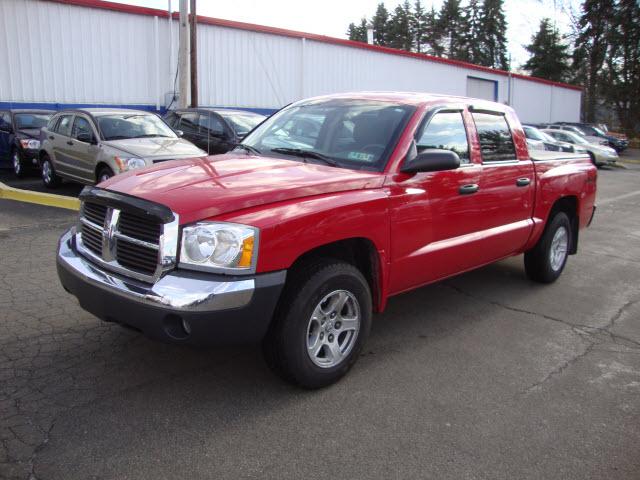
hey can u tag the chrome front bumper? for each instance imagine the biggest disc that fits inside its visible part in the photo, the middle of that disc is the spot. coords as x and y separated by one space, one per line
182 306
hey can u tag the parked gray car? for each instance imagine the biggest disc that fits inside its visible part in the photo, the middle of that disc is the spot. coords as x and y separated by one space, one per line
600 154
90 145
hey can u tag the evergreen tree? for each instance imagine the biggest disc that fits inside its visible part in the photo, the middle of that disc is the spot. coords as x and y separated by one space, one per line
358 33
380 25
399 32
451 28
493 35
592 44
432 35
549 56
419 27
472 13
623 64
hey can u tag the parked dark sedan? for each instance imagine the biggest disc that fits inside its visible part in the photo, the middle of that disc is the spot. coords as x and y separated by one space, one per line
20 138
213 130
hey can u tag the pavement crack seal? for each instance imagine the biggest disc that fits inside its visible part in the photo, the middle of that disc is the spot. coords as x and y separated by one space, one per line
585 332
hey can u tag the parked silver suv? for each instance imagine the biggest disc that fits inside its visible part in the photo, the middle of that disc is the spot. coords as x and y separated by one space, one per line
90 145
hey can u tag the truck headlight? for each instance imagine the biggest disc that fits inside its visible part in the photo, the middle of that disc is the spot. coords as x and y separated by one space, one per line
219 247
30 143
131 163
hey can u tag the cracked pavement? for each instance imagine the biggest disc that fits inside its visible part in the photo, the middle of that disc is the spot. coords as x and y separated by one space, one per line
485 375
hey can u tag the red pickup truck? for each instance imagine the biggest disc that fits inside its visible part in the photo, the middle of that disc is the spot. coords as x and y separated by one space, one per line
326 209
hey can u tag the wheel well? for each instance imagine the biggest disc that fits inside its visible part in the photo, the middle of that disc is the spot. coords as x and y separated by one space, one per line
359 252
99 167
569 206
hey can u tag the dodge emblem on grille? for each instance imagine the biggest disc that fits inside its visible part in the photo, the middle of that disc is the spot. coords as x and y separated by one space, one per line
109 234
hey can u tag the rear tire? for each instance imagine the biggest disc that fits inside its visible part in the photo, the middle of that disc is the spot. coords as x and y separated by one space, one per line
545 262
321 323
49 176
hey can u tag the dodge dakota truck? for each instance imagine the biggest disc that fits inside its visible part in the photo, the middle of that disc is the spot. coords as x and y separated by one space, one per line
324 211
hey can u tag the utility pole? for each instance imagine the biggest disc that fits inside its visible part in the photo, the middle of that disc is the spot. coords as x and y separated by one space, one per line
183 53
194 56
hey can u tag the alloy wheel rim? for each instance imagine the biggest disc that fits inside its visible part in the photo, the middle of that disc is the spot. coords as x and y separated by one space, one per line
46 172
559 248
17 166
333 329
104 177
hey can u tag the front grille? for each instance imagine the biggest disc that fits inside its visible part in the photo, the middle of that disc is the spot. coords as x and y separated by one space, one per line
135 242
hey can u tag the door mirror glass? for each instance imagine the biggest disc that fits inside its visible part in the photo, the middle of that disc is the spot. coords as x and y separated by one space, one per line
434 160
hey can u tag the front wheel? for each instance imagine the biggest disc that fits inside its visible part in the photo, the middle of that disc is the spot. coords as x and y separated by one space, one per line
322 321
104 174
18 167
544 262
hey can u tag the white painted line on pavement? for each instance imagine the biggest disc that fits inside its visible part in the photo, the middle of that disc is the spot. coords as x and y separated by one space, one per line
615 199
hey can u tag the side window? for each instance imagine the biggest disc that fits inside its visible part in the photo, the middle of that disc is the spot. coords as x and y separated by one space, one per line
189 122
210 124
64 125
496 142
81 126
445 131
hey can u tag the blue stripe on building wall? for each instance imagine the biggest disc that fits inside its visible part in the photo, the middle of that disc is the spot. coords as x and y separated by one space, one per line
147 108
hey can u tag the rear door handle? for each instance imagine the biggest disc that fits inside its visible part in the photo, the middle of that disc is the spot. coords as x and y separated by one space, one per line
523 182
468 189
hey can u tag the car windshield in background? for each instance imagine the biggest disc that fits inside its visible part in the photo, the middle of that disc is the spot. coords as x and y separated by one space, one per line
546 137
32 120
242 123
533 133
133 125
357 134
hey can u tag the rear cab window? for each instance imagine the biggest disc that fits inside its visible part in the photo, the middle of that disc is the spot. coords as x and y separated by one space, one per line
494 134
446 131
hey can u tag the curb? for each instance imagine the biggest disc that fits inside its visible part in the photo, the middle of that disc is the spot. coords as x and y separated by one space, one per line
47 199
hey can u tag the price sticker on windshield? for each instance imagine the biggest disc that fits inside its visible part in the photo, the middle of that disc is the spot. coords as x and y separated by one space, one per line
360 156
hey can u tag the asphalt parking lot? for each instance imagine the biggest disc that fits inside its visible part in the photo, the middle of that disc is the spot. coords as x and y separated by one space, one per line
483 376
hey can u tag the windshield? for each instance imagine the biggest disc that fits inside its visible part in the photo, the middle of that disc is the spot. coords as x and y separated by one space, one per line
242 123
358 134
133 125
546 137
533 133
32 120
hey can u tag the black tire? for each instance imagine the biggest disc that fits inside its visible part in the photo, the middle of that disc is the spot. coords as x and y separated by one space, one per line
104 174
285 345
19 168
593 159
537 262
49 176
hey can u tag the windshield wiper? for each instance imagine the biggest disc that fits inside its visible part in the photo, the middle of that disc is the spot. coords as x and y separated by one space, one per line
151 135
298 152
248 148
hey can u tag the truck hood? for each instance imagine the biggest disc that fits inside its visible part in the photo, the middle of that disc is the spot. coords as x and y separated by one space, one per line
200 188
156 148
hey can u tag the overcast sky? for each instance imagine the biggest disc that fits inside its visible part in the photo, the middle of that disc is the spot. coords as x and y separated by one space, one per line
331 17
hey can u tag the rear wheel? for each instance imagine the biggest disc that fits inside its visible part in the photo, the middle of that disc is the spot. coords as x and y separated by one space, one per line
322 321
104 174
49 176
18 166
545 262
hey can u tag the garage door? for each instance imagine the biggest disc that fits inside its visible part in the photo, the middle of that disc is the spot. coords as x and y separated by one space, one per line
482 88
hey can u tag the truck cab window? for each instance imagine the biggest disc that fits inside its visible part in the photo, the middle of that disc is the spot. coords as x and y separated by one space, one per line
445 131
496 142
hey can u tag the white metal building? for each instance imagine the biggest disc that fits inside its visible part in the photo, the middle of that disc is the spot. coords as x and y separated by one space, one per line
62 53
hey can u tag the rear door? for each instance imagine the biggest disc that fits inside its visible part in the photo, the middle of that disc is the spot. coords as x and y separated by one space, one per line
213 133
507 187
61 143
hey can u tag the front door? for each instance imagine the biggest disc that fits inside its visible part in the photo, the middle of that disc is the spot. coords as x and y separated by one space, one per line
82 153
435 216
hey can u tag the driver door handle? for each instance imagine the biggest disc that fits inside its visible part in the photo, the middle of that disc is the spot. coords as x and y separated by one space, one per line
468 189
523 182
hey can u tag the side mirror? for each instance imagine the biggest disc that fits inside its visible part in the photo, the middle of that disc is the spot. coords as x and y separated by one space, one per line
179 133
432 161
86 138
